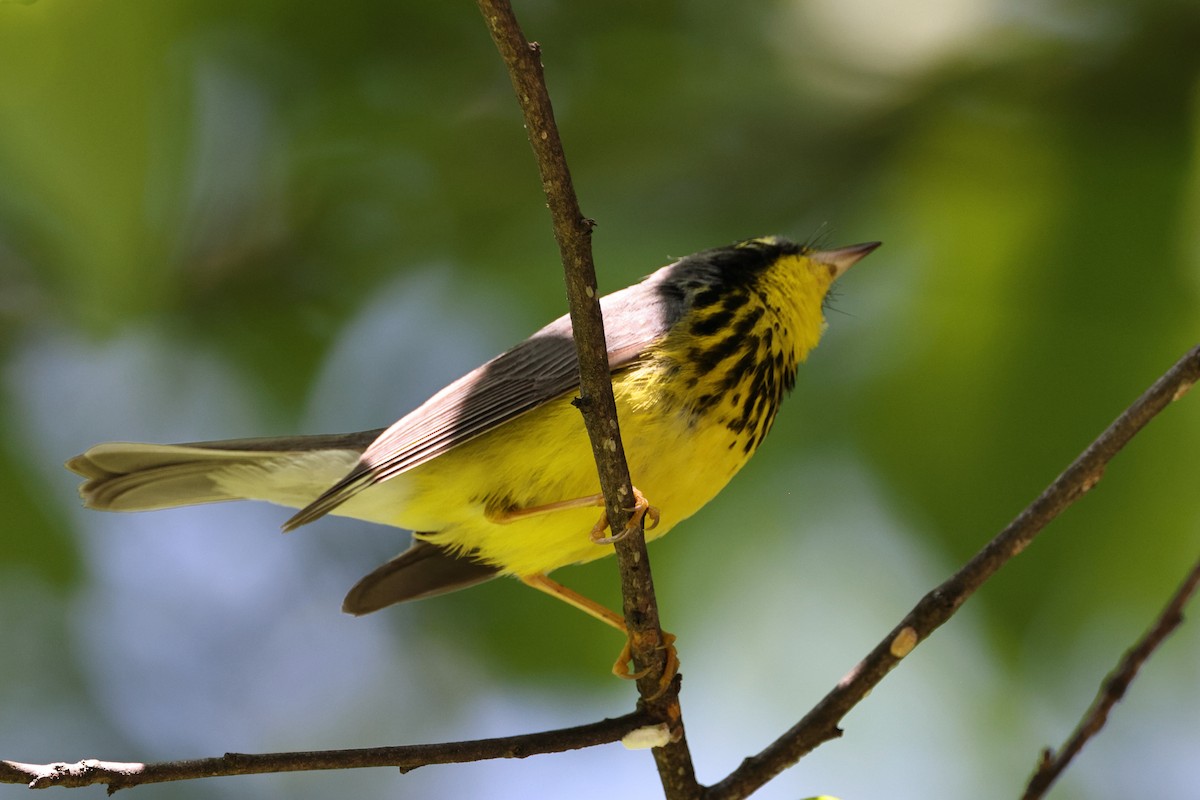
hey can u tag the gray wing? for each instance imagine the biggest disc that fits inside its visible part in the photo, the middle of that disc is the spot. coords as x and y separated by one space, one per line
537 370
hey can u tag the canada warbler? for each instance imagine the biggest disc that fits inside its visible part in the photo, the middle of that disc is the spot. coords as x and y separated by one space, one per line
494 473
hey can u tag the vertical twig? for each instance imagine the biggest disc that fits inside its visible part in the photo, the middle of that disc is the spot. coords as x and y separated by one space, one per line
573 233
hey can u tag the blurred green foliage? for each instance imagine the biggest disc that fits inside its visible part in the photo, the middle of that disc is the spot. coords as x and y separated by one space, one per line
238 182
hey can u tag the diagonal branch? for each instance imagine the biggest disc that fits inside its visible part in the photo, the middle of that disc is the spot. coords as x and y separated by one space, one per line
117 775
821 723
1052 764
573 233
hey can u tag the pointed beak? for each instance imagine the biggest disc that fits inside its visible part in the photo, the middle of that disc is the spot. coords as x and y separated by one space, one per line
844 258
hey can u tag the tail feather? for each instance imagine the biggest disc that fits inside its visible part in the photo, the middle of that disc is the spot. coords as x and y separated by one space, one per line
291 471
423 570
143 488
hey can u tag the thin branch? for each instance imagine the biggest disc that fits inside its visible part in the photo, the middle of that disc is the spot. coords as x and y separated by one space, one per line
1113 689
821 723
573 233
406 758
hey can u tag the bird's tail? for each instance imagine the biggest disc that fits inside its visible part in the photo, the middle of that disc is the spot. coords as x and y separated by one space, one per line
290 471
423 570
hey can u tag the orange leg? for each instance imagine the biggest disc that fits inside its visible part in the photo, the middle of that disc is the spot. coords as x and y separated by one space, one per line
609 617
641 509
518 514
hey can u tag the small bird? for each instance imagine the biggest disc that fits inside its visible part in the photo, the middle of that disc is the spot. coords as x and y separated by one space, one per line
494 473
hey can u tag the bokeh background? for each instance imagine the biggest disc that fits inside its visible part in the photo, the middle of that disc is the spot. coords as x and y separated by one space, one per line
222 219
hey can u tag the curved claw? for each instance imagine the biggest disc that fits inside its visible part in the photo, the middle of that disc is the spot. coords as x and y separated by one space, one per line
670 669
640 511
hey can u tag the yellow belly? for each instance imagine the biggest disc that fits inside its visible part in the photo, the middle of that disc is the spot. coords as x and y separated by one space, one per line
544 457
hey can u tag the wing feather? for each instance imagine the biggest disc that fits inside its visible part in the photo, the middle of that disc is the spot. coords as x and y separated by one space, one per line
536 371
